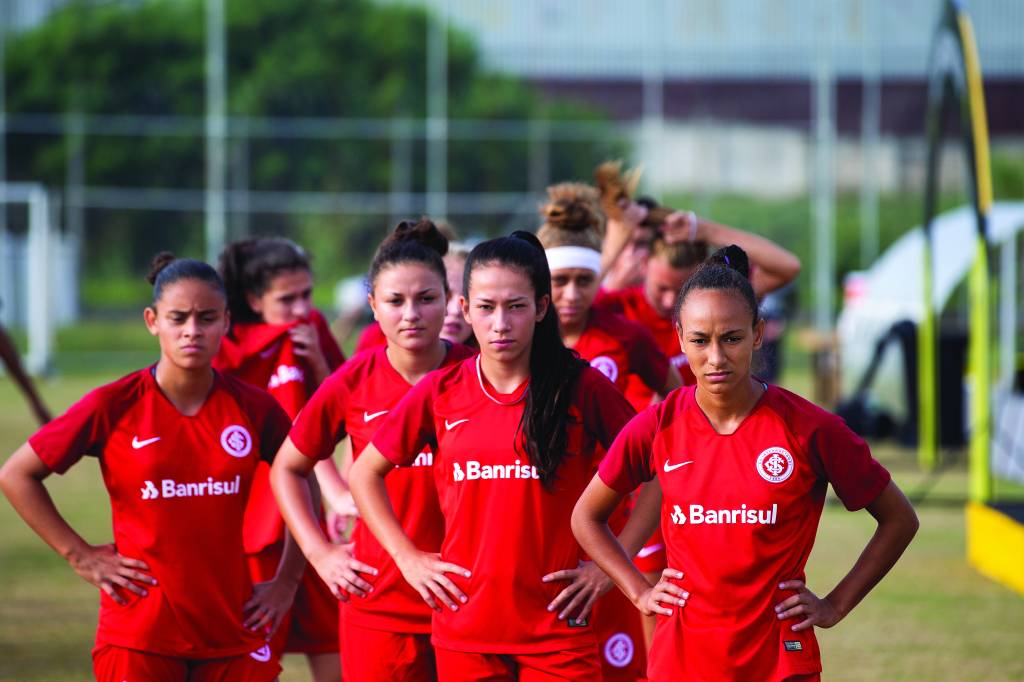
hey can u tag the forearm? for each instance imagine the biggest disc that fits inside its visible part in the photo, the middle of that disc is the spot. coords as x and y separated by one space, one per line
332 485
775 265
644 519
897 525
32 501
371 497
616 237
292 563
600 544
295 500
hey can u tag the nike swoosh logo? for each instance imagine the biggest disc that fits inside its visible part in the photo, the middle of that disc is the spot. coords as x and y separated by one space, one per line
673 467
136 443
367 417
449 426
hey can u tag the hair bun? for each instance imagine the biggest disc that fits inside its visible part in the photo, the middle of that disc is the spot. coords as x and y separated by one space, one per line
734 258
423 231
574 215
159 262
528 237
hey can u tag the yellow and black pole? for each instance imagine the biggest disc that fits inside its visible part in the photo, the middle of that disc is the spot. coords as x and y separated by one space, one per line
955 77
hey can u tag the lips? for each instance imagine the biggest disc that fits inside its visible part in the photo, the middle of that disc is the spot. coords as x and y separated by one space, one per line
715 377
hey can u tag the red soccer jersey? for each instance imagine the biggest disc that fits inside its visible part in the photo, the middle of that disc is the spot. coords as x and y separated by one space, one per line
633 305
621 349
500 522
739 516
178 487
263 355
354 401
372 336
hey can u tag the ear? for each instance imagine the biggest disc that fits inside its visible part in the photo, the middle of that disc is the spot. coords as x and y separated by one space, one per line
464 304
373 305
255 303
542 306
679 335
759 333
149 315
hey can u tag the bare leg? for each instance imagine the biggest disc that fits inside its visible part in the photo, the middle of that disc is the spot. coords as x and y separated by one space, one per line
13 363
325 667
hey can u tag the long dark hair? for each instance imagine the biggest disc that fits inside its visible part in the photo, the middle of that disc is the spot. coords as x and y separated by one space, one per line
554 369
728 269
249 265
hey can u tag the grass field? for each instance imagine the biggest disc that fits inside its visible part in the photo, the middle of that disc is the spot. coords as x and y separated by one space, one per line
933 618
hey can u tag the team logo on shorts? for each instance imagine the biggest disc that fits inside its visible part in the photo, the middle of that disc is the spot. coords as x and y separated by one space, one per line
262 654
606 366
236 441
775 465
619 650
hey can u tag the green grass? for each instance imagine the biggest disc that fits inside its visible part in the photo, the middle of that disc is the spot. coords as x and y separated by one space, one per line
932 618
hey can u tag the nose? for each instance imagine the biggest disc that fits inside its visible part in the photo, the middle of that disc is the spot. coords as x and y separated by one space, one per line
500 320
302 308
411 311
668 299
192 328
453 309
715 354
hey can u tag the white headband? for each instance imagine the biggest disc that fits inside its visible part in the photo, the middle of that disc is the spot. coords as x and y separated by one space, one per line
573 257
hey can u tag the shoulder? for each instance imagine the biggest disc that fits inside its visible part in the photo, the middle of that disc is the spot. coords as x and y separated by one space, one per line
122 392
457 353
799 411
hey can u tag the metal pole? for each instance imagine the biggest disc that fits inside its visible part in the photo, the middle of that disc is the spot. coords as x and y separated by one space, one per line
871 104
1008 312
824 194
40 328
216 129
437 113
653 110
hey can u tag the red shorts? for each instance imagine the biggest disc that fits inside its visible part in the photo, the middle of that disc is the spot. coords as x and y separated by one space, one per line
117 664
371 655
311 627
652 558
620 638
554 666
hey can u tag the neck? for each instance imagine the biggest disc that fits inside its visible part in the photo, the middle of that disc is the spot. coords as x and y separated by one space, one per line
727 410
572 332
185 388
506 377
413 365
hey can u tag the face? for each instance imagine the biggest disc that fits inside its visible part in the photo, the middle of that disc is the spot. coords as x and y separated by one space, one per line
716 334
455 328
572 293
189 319
288 297
501 307
662 285
408 300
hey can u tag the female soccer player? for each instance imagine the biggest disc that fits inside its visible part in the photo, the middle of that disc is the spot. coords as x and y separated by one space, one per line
743 467
279 342
612 344
619 349
178 444
455 328
514 433
385 629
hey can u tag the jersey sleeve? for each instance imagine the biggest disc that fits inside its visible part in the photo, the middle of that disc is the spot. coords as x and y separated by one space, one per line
609 301
605 410
276 425
409 427
629 461
320 425
647 361
847 464
80 431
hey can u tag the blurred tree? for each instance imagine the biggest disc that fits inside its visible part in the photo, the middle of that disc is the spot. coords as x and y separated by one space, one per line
317 59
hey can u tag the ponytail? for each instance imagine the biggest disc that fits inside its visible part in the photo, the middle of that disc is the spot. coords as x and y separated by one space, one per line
411 242
165 270
554 369
728 269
